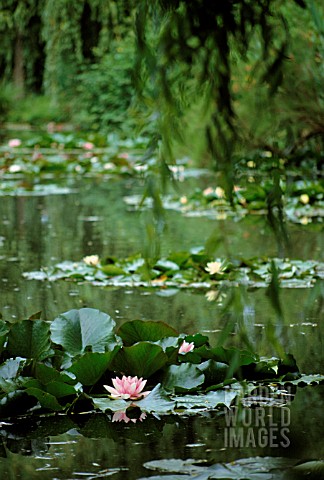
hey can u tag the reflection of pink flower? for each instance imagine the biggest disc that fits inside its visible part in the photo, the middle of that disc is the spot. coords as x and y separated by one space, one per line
186 347
127 388
14 142
88 145
123 155
121 416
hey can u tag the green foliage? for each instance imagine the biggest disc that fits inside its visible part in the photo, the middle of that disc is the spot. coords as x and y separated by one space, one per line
292 120
136 330
142 359
78 330
29 339
104 92
37 110
57 367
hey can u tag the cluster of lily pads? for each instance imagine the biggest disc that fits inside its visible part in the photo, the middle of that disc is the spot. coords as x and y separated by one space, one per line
256 468
79 362
303 201
194 268
57 152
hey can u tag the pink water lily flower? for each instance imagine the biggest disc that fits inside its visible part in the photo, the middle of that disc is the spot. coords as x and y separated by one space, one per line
127 388
14 142
186 347
88 145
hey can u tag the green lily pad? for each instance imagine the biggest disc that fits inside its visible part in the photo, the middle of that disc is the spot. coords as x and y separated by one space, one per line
11 368
142 359
106 403
138 330
90 367
256 468
46 374
256 272
215 372
47 400
156 402
207 401
29 339
183 377
112 270
77 330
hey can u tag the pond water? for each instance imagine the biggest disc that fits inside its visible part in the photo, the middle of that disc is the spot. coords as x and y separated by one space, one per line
90 217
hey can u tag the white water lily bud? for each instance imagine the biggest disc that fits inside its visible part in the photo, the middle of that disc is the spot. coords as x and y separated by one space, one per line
304 198
91 260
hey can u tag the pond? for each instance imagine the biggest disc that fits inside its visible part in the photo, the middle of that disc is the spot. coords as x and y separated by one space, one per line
83 216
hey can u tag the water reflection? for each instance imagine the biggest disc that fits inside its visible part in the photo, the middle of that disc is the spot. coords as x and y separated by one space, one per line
93 444
40 231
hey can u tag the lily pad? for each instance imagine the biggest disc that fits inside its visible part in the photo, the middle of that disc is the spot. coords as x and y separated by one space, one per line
207 401
47 400
255 272
77 330
183 377
255 468
138 330
156 402
106 403
142 359
29 339
90 367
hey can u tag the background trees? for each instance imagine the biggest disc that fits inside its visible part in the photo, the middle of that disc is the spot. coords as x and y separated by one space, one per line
236 72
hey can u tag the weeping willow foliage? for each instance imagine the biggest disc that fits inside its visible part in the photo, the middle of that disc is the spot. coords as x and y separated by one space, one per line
185 54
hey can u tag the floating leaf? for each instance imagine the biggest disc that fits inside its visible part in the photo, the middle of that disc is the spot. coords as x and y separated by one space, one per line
142 359
106 403
12 368
174 465
183 377
258 468
78 329
29 339
313 469
306 380
46 400
112 270
89 368
206 401
156 402
139 330
215 372
254 272
46 374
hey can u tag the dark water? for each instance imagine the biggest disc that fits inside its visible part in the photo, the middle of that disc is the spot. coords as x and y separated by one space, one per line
38 231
